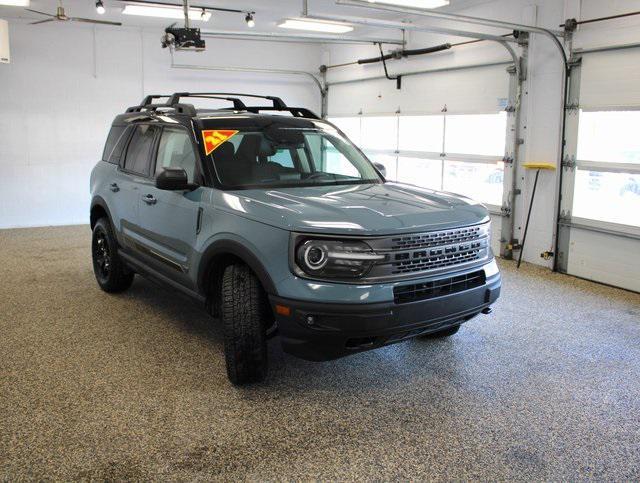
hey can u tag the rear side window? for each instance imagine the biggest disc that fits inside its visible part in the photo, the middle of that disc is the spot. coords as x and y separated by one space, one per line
112 140
139 150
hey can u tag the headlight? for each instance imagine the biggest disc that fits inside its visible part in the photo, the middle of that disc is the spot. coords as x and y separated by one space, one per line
335 259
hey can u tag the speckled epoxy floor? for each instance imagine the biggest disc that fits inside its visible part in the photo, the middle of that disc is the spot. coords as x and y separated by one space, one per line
133 386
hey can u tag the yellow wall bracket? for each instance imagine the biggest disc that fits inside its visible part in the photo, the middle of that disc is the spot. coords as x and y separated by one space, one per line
539 166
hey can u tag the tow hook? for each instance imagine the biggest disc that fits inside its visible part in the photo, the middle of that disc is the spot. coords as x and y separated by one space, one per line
486 310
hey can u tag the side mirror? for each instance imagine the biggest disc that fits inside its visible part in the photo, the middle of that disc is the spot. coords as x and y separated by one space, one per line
172 179
381 169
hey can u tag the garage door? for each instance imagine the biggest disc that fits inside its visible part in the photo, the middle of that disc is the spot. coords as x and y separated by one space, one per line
600 215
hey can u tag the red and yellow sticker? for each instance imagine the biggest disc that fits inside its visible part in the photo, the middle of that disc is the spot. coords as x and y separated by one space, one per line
214 138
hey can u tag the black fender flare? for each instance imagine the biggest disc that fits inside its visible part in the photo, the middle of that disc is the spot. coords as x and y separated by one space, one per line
239 250
99 201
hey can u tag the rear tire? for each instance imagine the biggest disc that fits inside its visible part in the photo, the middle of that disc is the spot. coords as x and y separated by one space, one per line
245 312
448 332
111 273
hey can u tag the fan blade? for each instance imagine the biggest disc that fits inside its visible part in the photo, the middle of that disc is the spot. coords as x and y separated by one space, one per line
88 20
41 13
43 21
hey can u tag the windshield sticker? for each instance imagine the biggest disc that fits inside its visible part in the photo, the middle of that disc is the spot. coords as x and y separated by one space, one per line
214 138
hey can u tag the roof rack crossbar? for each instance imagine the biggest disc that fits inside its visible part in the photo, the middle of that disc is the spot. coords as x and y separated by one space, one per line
277 102
238 105
148 100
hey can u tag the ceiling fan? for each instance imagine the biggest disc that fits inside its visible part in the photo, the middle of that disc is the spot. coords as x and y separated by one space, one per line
61 16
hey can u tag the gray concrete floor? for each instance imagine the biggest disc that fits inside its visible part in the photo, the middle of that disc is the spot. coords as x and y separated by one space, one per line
133 386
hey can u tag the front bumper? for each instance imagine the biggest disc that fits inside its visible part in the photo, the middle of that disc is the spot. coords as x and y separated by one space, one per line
319 331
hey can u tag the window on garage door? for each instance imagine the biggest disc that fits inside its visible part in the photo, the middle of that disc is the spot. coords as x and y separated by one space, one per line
461 153
607 181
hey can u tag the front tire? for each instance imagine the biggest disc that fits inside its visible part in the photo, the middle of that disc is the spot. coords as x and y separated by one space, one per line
112 274
244 315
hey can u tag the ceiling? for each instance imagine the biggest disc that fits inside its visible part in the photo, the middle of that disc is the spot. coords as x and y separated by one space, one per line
268 12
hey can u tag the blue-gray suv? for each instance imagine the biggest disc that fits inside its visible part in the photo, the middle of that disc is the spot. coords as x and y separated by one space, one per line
277 224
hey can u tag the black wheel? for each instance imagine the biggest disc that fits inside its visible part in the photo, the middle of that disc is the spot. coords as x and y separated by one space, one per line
111 272
449 331
245 314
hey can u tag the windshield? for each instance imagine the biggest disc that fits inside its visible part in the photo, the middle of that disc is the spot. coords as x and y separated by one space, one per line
286 156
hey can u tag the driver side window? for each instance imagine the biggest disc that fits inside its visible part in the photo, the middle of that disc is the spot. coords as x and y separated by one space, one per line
176 151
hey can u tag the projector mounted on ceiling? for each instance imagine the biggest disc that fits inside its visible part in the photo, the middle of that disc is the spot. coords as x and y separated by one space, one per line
182 38
185 38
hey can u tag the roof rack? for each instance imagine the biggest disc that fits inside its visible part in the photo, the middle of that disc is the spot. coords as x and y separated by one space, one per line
148 105
277 102
173 102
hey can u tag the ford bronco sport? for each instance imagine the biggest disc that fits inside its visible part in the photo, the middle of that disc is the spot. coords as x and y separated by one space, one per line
274 221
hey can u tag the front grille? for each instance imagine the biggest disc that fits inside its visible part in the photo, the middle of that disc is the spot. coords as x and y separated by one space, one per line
428 263
445 286
428 240
408 256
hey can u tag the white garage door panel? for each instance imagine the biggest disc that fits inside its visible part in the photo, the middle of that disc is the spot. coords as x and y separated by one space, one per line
605 258
468 91
610 80
496 226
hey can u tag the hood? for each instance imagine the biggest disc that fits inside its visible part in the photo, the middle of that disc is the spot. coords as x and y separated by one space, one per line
375 209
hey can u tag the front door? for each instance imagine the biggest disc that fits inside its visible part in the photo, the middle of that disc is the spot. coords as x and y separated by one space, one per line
169 219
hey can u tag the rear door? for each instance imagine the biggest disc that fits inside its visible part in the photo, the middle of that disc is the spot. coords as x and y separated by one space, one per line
169 219
133 171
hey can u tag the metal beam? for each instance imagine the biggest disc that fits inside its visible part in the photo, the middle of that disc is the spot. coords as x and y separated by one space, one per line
606 48
426 71
552 34
449 16
388 24
302 38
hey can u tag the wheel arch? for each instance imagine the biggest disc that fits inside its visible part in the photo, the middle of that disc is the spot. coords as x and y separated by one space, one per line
217 257
98 209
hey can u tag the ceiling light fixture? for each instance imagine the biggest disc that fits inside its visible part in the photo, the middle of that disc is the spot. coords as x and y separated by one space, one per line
413 3
250 21
15 3
100 7
315 25
166 12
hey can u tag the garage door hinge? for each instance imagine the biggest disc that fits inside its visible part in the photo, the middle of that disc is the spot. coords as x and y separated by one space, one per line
569 162
565 216
574 62
506 211
507 160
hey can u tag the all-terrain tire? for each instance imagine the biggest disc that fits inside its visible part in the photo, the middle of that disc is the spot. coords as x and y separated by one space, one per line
449 331
111 272
245 314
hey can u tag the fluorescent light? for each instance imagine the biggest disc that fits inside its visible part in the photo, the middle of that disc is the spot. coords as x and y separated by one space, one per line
165 12
15 3
413 3
315 25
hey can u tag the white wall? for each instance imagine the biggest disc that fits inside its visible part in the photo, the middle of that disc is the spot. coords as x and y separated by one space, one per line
67 82
542 101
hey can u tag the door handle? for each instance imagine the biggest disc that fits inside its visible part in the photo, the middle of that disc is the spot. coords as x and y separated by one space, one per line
149 199
114 187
